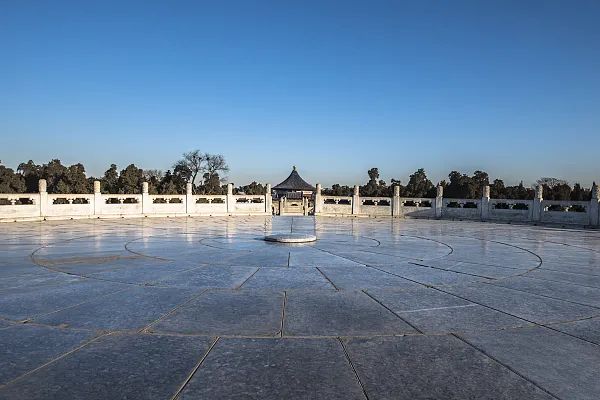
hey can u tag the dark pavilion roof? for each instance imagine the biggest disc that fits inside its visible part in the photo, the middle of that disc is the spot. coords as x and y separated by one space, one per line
295 182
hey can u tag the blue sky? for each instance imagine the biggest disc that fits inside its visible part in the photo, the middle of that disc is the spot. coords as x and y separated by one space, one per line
510 87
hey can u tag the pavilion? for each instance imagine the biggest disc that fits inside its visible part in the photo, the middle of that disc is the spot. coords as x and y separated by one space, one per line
293 187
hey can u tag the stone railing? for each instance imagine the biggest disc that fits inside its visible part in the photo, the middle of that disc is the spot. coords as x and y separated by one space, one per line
485 209
41 206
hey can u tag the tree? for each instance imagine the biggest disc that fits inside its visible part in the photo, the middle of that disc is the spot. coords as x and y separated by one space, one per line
190 166
153 177
110 182
252 189
31 172
215 164
497 189
131 179
11 182
374 186
419 185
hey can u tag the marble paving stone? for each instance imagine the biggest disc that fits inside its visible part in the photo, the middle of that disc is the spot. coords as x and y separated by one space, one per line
560 290
142 274
274 369
587 329
356 278
133 308
433 311
115 367
528 306
210 277
430 276
471 318
580 279
287 278
22 303
25 347
343 313
227 312
433 367
311 257
565 366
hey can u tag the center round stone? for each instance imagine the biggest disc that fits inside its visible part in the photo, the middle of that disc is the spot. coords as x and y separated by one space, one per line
291 238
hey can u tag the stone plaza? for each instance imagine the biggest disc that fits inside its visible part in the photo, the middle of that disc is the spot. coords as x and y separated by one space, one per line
375 308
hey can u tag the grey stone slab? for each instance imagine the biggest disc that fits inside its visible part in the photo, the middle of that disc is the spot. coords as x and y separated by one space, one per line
433 367
587 329
264 258
361 277
287 278
26 347
226 312
430 276
21 303
343 313
308 256
528 306
115 367
580 279
142 274
210 277
133 308
561 290
433 311
565 366
470 318
274 369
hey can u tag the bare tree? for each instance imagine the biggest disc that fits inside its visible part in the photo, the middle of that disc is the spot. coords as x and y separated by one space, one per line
215 164
193 163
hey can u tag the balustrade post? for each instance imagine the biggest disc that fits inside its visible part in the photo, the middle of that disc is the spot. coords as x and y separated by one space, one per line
97 198
485 203
189 198
43 196
594 210
396 209
230 199
439 201
146 203
268 200
537 204
356 201
318 200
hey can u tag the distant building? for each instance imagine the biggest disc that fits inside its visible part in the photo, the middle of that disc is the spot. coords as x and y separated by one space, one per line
294 187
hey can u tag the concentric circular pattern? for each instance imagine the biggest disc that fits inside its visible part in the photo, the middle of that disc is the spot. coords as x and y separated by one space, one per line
375 308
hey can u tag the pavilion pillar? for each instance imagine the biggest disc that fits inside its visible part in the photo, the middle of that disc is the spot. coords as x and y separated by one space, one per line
439 201
396 208
230 199
189 198
97 198
537 211
356 201
268 200
594 210
146 202
485 203
318 200
43 193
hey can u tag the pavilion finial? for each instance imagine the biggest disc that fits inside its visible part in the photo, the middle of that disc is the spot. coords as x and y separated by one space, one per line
294 168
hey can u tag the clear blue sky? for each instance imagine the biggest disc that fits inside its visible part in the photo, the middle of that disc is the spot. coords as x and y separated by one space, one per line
510 87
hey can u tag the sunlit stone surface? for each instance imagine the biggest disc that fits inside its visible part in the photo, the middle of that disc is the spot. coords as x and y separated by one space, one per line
205 308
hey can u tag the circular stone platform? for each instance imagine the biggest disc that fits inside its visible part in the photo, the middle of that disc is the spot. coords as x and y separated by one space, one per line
291 238
375 308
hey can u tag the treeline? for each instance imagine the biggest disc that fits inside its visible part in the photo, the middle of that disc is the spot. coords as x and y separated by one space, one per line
205 171
463 186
